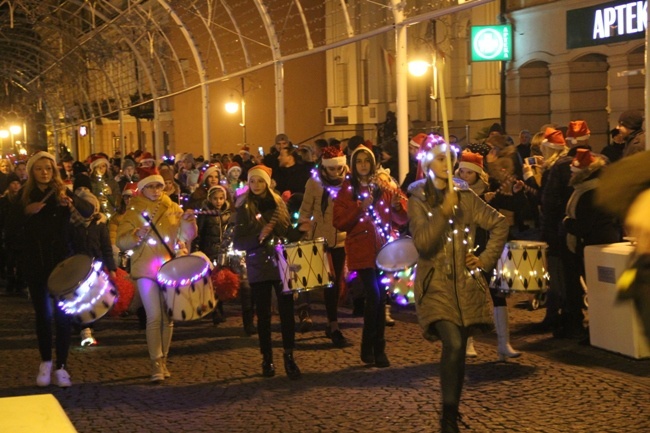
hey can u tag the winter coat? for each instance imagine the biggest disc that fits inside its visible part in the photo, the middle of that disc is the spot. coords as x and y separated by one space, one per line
312 206
45 235
211 230
634 143
150 254
444 289
108 192
94 241
364 240
261 263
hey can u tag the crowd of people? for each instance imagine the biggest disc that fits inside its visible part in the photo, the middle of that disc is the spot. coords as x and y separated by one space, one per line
459 206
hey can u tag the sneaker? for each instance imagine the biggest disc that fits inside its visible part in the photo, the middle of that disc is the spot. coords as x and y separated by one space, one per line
157 372
87 338
44 373
62 378
338 340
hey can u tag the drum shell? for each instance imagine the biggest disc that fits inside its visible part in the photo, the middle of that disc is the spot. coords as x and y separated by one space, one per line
305 265
522 267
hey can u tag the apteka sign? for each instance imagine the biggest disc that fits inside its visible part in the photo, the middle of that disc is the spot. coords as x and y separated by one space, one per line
606 23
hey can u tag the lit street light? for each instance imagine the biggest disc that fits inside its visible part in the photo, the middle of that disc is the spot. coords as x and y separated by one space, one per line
232 107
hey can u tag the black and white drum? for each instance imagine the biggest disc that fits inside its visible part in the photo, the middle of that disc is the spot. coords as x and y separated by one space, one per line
304 265
522 267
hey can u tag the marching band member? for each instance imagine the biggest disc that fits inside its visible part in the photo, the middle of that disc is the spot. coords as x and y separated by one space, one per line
262 217
149 254
451 295
42 214
316 215
367 213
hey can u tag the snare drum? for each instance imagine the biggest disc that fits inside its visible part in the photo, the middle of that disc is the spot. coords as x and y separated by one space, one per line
522 267
187 287
82 288
398 261
304 265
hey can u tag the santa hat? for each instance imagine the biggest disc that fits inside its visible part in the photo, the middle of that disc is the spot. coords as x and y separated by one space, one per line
332 157
233 166
434 145
363 147
583 159
418 140
36 157
217 188
146 157
262 171
554 139
154 178
245 149
130 189
578 131
97 160
471 161
212 169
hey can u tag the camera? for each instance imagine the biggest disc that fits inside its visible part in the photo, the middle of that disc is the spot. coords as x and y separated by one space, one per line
531 160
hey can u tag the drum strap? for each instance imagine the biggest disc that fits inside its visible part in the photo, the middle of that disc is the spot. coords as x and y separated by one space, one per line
160 238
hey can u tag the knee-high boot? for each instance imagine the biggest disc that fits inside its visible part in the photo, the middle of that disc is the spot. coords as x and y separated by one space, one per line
504 349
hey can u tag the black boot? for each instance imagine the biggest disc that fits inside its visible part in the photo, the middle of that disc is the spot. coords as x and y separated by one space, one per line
381 360
290 366
268 369
247 319
367 348
449 420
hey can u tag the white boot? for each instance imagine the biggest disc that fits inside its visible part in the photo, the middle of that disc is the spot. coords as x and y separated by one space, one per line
389 320
504 349
157 372
470 351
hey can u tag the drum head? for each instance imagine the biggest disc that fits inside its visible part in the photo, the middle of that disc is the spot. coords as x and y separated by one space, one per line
69 274
182 268
397 255
521 244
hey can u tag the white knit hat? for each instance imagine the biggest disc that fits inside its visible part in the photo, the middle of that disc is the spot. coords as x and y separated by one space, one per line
36 157
154 178
262 171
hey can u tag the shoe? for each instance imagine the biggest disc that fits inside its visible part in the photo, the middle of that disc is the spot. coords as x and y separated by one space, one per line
381 360
367 353
268 369
166 372
44 373
62 378
290 367
157 372
87 338
470 351
389 320
305 321
338 340
449 420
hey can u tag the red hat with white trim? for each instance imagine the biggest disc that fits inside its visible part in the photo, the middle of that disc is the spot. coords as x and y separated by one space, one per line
471 161
332 157
578 131
262 171
418 140
554 139
583 159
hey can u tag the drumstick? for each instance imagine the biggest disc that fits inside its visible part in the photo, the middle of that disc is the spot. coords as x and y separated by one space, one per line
49 193
147 218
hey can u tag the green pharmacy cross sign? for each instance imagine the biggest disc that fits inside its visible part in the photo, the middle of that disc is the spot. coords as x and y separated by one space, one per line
491 43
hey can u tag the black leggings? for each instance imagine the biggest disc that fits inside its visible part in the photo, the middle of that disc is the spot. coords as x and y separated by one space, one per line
45 309
374 316
331 294
262 293
452 361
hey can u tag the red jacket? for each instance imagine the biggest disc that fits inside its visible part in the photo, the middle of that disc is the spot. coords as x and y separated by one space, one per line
364 239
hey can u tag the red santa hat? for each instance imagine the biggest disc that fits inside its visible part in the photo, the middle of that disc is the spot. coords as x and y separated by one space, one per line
583 159
471 161
245 149
578 131
363 147
332 157
418 140
554 139
96 160
130 189
147 157
232 167
262 171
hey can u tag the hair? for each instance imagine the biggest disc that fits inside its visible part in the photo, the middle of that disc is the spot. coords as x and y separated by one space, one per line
10 166
354 178
56 183
293 152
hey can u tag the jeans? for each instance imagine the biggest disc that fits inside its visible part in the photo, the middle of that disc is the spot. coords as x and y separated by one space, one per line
45 309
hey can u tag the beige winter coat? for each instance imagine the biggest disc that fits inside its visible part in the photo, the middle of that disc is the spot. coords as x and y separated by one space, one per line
150 254
323 227
444 289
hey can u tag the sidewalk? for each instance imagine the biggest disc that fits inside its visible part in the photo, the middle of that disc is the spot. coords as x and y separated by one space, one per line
555 386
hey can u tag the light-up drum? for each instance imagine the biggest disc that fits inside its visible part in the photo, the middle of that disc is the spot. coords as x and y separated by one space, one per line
82 288
522 267
187 287
398 261
304 265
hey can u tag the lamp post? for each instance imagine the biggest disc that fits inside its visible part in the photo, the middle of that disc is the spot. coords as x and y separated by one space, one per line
3 134
232 107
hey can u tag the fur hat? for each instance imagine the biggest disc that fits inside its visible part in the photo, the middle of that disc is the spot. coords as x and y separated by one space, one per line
97 160
130 188
435 145
81 180
262 171
578 131
154 178
332 157
554 139
39 155
583 159
360 148
418 140
631 119
471 161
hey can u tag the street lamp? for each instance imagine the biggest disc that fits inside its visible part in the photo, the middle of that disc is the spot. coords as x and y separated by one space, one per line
14 130
232 107
3 134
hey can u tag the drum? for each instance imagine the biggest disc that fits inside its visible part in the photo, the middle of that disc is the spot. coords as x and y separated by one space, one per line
522 267
82 288
398 261
304 265
187 287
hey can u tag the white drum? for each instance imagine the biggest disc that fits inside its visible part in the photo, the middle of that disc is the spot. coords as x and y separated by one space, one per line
304 265
187 287
82 288
398 261
522 267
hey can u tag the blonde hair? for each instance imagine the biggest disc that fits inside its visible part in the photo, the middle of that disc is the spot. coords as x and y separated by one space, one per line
280 215
56 183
